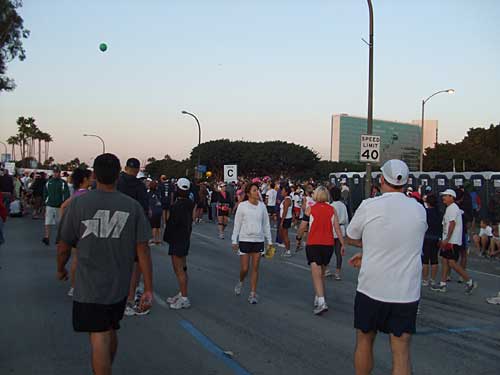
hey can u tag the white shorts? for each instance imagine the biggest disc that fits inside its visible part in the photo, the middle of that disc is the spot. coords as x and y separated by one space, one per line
52 215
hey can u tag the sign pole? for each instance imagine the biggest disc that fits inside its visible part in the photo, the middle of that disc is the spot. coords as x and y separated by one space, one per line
368 176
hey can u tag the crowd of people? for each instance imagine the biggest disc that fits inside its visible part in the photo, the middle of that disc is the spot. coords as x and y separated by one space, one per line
108 218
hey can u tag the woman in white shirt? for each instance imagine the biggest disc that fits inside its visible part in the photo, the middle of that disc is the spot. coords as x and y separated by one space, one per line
286 216
343 218
251 228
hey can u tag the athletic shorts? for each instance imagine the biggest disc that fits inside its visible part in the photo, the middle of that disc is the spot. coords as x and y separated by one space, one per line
271 210
305 218
451 254
392 318
319 254
251 247
155 220
180 250
52 215
430 252
287 223
222 213
94 317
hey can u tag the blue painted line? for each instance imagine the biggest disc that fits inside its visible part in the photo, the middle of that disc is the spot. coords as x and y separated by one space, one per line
213 348
446 331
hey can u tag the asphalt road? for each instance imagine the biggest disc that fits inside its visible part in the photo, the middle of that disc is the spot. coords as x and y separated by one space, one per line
458 334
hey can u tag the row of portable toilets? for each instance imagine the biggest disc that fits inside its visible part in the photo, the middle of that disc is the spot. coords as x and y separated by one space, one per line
484 183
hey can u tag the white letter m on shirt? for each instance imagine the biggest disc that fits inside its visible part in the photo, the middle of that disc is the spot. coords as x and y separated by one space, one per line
101 219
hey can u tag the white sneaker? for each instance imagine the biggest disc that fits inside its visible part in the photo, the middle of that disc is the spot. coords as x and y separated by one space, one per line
328 273
433 283
320 309
287 254
237 288
129 309
173 299
253 299
70 292
281 245
425 282
337 277
315 301
181 303
493 300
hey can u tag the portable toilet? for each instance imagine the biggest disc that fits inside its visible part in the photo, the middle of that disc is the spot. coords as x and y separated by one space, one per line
412 181
479 184
333 179
494 185
357 191
458 181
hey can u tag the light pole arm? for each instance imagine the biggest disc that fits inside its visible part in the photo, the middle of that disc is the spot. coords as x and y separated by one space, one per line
438 92
102 140
197 122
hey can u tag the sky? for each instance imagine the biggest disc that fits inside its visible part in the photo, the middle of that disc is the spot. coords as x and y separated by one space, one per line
259 70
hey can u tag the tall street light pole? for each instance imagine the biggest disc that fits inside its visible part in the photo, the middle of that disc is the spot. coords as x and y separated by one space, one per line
102 140
368 176
449 91
199 140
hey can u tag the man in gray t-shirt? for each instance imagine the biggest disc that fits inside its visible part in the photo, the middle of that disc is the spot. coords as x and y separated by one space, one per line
108 229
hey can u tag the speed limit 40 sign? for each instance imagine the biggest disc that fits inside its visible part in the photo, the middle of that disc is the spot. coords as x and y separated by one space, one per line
370 148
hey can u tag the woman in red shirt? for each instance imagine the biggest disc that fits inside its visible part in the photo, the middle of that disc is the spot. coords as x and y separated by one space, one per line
320 243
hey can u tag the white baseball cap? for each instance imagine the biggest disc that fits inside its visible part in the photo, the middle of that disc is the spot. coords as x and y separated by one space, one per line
183 184
449 192
395 172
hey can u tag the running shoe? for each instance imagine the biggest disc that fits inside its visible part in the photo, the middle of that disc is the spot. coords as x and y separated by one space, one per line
46 241
70 292
449 278
141 312
253 299
287 254
433 283
237 288
425 282
320 309
129 309
439 288
181 303
469 287
494 300
337 277
281 245
173 299
221 236
460 280
328 273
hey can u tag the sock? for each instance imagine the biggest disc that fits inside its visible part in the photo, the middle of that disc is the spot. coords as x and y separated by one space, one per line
469 283
184 299
321 300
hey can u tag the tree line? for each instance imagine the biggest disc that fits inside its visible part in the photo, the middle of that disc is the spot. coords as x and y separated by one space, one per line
478 151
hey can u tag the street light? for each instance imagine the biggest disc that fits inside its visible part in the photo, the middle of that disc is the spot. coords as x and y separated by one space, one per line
102 140
199 138
449 91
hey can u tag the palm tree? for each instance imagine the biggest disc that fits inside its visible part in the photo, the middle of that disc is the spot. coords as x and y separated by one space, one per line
23 130
32 132
39 137
13 141
47 138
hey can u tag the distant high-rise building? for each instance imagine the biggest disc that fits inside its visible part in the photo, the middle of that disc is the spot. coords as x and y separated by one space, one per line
399 140
430 132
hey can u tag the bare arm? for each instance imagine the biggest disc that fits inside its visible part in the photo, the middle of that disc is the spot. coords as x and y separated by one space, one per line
356 243
336 226
63 254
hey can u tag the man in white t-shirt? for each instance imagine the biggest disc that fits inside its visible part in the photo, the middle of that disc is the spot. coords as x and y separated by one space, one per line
271 195
390 229
451 243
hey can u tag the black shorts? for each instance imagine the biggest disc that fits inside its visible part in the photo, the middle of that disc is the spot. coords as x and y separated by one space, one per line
392 318
155 221
452 254
430 252
178 249
251 247
305 218
319 254
94 317
271 210
287 223
222 213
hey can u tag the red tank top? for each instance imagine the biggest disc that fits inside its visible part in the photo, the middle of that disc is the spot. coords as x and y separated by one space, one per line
321 225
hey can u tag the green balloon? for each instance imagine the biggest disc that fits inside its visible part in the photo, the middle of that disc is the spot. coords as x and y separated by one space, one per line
103 47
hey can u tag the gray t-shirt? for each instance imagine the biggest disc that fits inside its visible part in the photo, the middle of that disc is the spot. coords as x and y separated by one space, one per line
105 227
